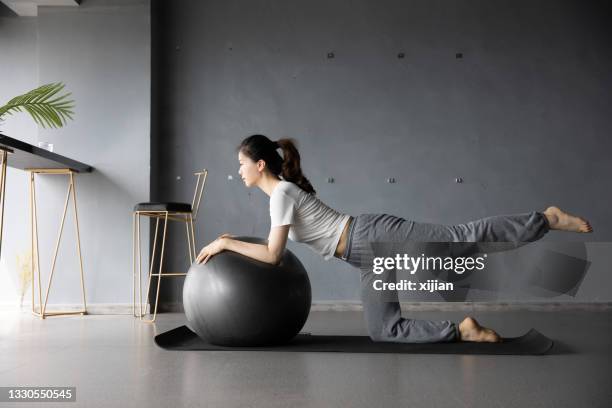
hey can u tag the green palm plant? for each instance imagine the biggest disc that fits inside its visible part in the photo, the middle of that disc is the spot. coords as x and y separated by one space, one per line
46 107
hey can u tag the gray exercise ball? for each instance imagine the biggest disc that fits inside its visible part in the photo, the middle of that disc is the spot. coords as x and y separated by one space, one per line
234 300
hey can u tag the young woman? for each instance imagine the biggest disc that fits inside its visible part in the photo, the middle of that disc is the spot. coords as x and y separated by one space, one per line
296 213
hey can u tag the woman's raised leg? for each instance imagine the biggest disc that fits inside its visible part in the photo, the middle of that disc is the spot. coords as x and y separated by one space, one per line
525 227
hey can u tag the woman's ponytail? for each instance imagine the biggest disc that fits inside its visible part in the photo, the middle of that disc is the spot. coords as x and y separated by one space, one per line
259 147
291 168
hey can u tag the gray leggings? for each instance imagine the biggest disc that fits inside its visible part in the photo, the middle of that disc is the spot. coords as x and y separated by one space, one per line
383 316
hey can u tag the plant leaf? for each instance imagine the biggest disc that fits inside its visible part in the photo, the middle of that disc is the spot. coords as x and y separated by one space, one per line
47 108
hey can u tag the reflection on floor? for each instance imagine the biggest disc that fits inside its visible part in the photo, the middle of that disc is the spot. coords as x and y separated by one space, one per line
113 361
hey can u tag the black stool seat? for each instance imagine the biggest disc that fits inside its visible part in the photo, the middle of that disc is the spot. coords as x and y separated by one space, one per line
171 207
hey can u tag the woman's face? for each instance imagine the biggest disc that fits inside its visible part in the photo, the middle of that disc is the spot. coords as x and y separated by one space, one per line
249 171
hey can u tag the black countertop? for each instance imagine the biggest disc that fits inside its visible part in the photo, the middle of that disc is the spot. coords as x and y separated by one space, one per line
26 156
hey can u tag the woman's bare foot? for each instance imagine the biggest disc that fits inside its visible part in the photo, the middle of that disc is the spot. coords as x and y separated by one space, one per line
560 220
471 331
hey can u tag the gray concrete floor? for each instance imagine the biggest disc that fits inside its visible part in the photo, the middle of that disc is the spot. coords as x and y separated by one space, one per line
113 361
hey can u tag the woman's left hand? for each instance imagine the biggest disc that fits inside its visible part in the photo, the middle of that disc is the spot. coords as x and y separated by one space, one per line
211 249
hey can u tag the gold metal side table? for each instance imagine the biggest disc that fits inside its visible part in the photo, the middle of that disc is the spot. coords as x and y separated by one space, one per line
37 161
42 306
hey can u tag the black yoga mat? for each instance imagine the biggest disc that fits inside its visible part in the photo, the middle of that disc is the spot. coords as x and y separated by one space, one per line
531 343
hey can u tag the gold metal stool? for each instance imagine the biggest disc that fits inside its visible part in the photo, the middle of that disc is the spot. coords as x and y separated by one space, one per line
182 212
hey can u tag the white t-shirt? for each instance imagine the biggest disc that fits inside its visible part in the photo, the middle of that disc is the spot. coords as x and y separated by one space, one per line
312 222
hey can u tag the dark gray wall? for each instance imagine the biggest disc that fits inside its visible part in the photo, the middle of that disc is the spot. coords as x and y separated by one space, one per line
523 117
